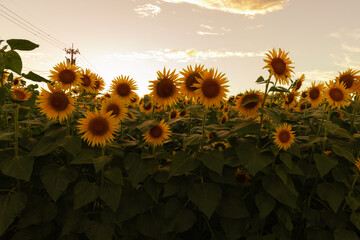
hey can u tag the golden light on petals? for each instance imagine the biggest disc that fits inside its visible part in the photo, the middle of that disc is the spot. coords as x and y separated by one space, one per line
99 84
123 87
211 88
357 164
20 94
337 95
157 134
284 137
56 103
315 93
173 114
97 128
146 107
298 83
116 107
290 100
65 74
278 64
189 78
350 79
87 82
248 103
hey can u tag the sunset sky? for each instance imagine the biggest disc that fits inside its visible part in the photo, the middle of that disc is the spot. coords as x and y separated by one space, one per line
137 38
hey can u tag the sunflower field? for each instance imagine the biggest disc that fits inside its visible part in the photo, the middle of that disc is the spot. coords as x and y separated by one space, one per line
186 161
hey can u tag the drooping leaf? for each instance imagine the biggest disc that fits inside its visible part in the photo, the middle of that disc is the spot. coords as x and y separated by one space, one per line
21 44
100 162
114 175
213 160
343 234
286 159
19 167
35 77
181 163
84 193
136 168
13 61
284 217
232 207
84 157
111 194
344 152
11 205
283 193
355 219
324 163
264 203
332 193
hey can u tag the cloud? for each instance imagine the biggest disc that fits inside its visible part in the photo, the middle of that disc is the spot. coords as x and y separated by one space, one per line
147 10
254 27
245 7
206 26
164 55
208 33
209 28
318 75
350 48
346 61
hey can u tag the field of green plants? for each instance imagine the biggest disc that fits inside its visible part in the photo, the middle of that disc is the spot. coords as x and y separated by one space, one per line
186 161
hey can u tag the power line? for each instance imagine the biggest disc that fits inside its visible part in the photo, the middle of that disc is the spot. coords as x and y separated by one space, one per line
91 66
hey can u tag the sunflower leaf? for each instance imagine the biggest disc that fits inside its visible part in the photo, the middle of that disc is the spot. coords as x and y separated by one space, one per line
34 77
13 61
21 44
136 168
84 193
19 167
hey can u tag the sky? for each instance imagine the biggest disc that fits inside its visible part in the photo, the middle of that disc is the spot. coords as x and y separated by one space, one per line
137 38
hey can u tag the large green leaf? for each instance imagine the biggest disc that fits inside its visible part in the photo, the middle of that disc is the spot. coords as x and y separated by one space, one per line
45 146
153 189
100 230
286 159
84 193
11 205
264 203
13 61
232 207
21 44
283 193
84 157
178 218
206 196
355 219
114 175
213 160
344 152
343 234
35 77
19 167
111 194
72 144
284 217
193 139
181 163
332 193
100 162
151 223
324 163
56 179
253 159
136 168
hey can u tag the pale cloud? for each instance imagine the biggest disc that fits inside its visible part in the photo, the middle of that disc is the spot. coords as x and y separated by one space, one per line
350 48
318 75
164 55
245 7
206 26
346 61
209 33
213 33
147 10
254 27
225 29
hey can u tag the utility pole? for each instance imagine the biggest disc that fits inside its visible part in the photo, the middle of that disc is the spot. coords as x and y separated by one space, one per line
73 52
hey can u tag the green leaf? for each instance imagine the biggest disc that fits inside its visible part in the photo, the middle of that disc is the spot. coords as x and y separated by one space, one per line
84 193
181 163
45 146
153 189
343 234
324 163
72 144
277 89
337 130
114 175
193 139
284 217
136 168
35 77
206 197
355 219
100 162
332 193
56 179
150 224
84 157
111 194
72 220
260 161
13 61
19 167
178 218
147 125
344 152
260 80
232 207
280 171
264 203
213 160
6 136
283 193
100 230
286 159
11 205
21 44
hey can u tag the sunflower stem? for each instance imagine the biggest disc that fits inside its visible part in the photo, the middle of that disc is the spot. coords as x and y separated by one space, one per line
352 186
325 131
68 131
102 169
153 112
272 95
352 119
121 129
189 124
203 122
262 107
17 130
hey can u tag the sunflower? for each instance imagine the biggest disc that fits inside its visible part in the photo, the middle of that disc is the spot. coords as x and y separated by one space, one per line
20 94
190 76
242 177
211 88
158 108
5 77
16 82
98 128
66 75
298 83
56 103
165 91
350 79
304 94
221 146
248 104
337 95
87 82
315 93
279 65
146 107
357 164
184 113
134 100
158 134
124 87
116 107
173 114
284 137
224 119
99 83
225 108
130 115
303 105
290 100
211 136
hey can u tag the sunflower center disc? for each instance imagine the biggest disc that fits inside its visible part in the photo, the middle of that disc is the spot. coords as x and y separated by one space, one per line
210 88
16 81
165 88
147 106
290 98
298 85
173 114
249 97
284 136
314 93
97 84
241 178
223 120
123 89
304 94
190 80
182 113
114 108
336 94
279 66
19 95
66 76
348 80
86 81
156 132
58 101
98 126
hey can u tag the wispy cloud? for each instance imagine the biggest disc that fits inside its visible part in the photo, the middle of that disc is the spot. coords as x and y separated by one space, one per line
164 55
147 10
254 27
350 48
318 75
206 26
247 7
346 61
211 32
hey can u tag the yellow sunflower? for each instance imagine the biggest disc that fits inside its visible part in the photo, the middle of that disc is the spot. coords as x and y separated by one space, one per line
146 107
165 91
87 82
184 113
290 100
304 94
357 164
315 94
173 114
189 78
16 82
337 95
134 100
224 119
279 65
298 83
20 94
350 79
221 146
158 134
242 177
283 136
248 103
56 103
116 107
65 74
124 88
303 105
211 88
98 128
99 84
